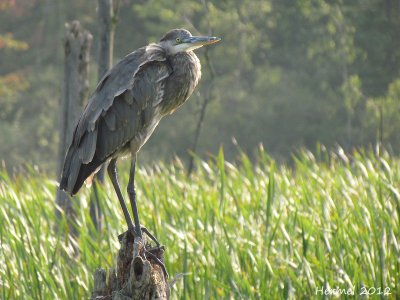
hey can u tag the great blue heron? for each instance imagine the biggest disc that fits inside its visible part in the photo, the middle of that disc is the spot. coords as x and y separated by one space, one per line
125 108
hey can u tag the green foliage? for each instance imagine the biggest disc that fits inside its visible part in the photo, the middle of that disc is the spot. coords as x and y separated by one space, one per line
289 74
237 231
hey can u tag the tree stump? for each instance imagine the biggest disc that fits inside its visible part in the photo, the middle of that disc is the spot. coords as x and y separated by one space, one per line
138 275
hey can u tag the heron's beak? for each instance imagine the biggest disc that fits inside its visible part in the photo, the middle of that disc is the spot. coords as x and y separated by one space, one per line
199 41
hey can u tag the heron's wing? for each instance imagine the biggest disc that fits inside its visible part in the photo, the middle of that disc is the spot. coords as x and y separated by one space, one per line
114 83
131 110
120 106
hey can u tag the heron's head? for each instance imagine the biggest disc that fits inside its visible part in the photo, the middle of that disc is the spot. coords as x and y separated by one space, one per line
180 40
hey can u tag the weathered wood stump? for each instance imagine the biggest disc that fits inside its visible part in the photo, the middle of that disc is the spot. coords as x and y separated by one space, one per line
138 274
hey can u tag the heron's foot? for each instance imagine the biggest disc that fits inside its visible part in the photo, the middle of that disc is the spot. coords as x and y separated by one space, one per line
132 233
153 255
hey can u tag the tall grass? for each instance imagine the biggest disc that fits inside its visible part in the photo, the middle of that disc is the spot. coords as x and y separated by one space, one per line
237 231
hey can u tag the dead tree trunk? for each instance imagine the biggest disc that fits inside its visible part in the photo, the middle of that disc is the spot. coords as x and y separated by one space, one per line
106 35
77 46
107 20
137 277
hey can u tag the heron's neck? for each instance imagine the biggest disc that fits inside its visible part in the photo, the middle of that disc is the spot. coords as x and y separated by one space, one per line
184 62
184 78
183 55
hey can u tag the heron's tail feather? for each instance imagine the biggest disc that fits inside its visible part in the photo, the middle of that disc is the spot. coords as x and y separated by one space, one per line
75 172
70 171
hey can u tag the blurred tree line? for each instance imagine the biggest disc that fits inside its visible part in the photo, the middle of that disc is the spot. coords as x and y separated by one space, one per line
288 73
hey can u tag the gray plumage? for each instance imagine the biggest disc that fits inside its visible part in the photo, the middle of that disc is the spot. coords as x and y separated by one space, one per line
129 102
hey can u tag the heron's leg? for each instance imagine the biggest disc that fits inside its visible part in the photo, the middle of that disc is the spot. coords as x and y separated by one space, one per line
132 196
112 172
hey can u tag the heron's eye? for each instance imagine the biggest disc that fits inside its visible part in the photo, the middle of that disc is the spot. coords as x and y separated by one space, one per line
178 39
